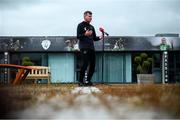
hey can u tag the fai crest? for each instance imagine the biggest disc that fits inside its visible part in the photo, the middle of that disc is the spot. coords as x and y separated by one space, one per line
46 44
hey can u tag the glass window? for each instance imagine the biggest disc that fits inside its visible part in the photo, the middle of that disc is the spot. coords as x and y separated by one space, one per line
39 59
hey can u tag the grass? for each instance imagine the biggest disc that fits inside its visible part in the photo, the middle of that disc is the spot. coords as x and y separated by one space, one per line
163 97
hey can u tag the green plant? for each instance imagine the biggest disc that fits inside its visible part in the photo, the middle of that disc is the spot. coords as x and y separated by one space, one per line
143 63
27 62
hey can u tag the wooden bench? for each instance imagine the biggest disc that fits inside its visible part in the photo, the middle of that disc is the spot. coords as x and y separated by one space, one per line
28 72
39 72
22 73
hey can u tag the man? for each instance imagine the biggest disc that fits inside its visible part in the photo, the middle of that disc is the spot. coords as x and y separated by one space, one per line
164 45
87 35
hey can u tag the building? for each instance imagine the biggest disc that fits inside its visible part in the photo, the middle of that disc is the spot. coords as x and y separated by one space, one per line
114 63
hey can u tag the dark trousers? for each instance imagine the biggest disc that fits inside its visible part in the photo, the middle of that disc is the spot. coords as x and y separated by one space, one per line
88 63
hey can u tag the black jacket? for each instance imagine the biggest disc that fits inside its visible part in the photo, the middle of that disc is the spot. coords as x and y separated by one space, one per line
84 41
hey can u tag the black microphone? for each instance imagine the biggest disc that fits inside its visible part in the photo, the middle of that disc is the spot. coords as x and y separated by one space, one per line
102 30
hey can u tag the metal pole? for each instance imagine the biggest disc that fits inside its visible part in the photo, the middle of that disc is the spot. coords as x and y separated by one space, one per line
103 58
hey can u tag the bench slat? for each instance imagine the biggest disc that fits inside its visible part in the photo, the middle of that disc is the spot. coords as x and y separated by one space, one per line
39 72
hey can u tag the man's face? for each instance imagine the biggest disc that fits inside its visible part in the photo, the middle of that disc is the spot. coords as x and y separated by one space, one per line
88 17
163 40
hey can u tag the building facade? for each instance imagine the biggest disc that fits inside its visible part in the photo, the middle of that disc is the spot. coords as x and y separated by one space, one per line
114 60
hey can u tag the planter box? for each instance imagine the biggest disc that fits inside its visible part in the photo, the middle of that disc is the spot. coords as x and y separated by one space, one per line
145 78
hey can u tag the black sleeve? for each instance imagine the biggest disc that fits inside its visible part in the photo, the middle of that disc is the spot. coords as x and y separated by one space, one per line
80 32
94 35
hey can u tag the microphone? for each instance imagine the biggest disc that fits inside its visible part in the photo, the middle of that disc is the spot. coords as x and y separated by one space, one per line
102 30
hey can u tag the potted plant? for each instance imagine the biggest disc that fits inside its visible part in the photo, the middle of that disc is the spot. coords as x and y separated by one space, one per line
27 62
143 68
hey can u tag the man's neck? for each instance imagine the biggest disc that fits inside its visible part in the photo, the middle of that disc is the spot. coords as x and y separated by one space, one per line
86 22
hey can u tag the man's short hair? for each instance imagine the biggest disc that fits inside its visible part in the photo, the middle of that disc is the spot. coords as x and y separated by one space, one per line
87 12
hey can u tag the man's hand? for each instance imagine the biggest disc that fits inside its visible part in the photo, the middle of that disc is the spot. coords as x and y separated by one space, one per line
88 33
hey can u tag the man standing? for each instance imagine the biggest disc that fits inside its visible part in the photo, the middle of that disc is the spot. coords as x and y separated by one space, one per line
87 35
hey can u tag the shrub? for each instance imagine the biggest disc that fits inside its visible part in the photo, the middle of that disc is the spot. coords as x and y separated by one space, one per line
27 62
143 63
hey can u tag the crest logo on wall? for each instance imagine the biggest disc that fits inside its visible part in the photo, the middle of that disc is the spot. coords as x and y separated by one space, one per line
46 44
